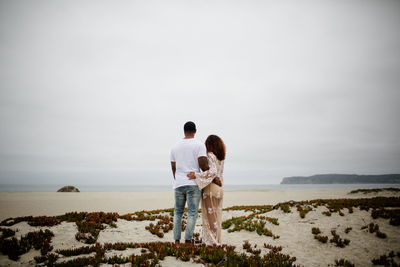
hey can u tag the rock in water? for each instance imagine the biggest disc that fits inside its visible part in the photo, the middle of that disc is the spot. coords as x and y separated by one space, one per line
68 188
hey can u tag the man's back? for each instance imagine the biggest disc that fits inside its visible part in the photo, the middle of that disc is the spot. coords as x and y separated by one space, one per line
185 154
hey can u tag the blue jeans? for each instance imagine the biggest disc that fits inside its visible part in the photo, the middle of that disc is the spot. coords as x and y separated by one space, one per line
192 195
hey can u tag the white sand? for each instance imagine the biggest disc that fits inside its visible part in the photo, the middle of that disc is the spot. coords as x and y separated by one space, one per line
295 232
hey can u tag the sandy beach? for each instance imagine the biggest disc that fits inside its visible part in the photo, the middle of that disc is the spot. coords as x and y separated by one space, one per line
294 232
52 203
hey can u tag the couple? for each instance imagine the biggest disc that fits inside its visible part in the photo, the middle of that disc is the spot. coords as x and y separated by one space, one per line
198 174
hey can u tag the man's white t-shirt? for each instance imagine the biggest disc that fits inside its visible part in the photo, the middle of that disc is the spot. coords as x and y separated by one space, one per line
185 154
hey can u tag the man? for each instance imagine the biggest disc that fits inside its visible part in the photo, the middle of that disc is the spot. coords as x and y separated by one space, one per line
188 155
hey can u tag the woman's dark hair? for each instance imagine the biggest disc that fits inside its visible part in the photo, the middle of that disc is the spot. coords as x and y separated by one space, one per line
215 145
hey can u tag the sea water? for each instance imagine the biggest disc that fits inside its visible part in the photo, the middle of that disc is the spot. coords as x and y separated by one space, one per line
168 188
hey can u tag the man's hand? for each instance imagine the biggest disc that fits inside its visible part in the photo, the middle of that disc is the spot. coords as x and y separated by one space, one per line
191 175
217 181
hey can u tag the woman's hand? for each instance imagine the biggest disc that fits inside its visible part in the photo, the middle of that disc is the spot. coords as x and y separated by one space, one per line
191 175
217 181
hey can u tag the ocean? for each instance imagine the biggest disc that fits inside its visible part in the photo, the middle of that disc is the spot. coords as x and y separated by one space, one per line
168 188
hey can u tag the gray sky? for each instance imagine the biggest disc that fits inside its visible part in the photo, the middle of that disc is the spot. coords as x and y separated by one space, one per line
98 91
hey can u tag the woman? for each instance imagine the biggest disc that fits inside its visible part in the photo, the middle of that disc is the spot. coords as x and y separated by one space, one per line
211 183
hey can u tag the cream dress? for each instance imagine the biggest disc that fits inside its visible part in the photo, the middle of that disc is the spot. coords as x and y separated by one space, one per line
211 201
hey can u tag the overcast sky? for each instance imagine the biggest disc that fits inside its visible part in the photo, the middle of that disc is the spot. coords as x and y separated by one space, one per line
98 91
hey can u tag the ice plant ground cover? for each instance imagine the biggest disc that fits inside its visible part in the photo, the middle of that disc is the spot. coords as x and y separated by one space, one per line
258 235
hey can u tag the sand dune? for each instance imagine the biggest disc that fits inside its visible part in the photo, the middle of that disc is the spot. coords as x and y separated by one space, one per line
294 232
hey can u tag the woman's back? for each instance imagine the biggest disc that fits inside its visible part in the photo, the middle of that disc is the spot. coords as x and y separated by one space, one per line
217 170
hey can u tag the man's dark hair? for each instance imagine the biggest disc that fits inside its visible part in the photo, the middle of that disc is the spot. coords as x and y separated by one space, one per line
189 127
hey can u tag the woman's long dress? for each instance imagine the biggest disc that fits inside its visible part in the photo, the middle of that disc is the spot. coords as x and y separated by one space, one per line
211 201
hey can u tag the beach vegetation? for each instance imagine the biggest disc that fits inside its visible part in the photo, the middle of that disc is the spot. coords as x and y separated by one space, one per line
321 238
12 221
339 242
163 225
246 245
386 260
350 209
285 207
48 259
380 234
89 224
32 221
92 223
13 247
116 260
268 219
303 210
258 209
273 248
335 205
249 249
344 262
248 223
44 221
375 190
223 255
80 261
315 231
6 232
73 216
392 214
374 228
79 250
348 229
40 259
253 222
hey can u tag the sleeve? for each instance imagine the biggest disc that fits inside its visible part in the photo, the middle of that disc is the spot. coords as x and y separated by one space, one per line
205 178
202 151
172 156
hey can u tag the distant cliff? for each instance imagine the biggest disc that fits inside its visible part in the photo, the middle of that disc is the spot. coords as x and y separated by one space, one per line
343 179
